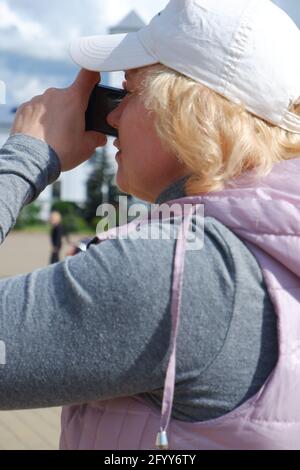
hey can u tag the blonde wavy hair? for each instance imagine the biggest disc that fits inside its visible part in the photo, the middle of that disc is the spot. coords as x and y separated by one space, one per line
217 140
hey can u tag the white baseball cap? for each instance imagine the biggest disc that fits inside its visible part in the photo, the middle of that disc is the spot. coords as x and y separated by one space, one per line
245 50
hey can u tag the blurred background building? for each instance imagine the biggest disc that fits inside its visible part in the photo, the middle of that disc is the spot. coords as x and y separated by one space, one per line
5 123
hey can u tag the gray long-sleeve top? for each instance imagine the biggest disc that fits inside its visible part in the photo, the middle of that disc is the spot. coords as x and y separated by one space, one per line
97 325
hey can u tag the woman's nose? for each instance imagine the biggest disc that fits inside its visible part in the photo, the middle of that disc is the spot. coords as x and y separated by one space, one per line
113 118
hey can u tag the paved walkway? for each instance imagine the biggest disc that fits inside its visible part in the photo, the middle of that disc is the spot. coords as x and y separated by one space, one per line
34 429
23 252
30 430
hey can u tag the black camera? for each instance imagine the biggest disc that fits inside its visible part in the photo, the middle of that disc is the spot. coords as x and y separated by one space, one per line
103 100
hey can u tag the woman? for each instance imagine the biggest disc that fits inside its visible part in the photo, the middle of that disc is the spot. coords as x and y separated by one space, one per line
102 329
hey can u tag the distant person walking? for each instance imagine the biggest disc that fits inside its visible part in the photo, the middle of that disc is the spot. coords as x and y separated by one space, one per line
56 236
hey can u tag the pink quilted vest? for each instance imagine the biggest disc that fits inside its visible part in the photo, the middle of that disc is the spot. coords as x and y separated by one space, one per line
266 216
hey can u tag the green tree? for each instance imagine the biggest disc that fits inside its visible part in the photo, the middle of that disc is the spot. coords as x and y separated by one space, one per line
29 216
95 182
101 187
72 216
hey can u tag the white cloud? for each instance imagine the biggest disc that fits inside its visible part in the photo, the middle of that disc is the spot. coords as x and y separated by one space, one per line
10 20
22 86
44 29
35 34
25 88
30 37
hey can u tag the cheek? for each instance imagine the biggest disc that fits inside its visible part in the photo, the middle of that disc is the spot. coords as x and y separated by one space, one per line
134 133
140 143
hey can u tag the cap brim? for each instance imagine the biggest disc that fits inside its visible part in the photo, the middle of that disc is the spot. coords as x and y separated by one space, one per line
110 53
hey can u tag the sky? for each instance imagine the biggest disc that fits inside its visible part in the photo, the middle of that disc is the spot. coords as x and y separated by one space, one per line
35 34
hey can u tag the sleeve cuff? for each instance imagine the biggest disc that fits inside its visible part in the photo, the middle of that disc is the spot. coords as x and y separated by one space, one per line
32 159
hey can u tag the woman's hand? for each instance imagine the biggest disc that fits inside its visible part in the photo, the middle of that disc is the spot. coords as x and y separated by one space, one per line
58 118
